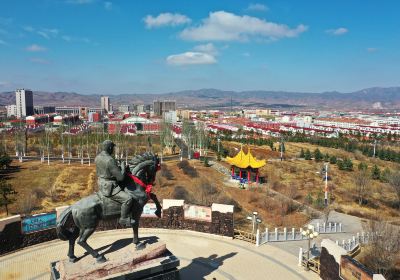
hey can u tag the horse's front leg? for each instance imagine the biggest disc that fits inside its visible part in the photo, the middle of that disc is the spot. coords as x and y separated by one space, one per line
83 237
158 205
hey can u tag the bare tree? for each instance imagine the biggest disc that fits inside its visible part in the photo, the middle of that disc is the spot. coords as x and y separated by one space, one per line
326 212
394 182
362 184
382 250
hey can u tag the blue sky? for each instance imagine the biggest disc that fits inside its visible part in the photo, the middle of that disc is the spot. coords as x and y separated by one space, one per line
157 46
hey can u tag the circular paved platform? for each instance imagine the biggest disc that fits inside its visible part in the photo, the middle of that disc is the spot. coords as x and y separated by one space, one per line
202 256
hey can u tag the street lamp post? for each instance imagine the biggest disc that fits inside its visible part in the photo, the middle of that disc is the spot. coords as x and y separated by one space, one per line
310 234
255 221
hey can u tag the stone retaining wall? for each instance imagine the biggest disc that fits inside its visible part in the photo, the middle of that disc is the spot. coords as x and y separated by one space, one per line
12 238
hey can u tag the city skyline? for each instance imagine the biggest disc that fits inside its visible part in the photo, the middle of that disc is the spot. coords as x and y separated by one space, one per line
115 47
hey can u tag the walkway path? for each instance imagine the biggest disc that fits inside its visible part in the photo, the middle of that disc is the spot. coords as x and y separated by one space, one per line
202 256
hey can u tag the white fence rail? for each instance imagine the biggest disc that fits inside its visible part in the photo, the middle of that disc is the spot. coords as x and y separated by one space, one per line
294 234
356 240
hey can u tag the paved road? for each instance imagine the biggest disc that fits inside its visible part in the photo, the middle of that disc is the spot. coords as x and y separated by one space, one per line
202 256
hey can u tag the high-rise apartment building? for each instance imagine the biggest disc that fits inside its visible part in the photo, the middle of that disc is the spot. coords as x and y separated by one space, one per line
105 103
24 102
160 107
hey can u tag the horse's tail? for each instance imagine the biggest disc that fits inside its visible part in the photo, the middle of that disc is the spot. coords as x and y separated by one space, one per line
66 227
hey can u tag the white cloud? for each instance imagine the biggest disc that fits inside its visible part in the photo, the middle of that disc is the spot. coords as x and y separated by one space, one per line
35 48
48 33
3 43
69 39
39 60
166 19
191 58
224 26
246 54
337 32
108 5
372 50
207 48
257 7
28 28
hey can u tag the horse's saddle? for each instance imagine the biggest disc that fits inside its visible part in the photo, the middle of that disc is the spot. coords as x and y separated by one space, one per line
110 207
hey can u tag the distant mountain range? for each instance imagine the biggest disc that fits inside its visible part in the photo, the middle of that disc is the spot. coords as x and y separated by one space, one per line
370 98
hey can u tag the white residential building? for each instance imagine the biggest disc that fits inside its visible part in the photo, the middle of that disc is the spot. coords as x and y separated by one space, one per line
11 111
24 102
105 103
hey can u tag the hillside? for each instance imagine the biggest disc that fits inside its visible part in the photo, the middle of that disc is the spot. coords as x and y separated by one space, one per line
371 98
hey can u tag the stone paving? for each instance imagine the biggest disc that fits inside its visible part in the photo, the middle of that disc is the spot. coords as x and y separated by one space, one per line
202 256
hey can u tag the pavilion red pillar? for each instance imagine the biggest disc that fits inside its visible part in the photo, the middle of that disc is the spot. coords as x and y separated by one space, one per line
257 177
248 175
240 173
233 171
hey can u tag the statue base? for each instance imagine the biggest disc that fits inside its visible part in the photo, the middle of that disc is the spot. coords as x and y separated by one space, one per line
154 262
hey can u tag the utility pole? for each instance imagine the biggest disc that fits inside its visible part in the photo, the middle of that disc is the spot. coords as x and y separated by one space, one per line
375 147
326 184
281 148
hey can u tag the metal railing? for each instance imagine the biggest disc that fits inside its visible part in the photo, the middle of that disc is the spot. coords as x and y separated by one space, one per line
293 234
244 235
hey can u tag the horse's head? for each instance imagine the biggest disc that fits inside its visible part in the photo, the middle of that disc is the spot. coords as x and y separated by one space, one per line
145 167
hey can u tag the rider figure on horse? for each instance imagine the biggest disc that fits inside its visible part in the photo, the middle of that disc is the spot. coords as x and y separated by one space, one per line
109 174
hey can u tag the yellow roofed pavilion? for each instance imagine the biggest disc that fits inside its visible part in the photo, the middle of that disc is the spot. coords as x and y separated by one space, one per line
243 160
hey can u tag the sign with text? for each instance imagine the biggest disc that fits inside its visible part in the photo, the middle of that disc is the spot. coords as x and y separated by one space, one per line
39 222
196 212
149 209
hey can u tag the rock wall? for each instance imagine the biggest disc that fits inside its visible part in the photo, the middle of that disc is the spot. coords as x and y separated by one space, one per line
12 238
329 268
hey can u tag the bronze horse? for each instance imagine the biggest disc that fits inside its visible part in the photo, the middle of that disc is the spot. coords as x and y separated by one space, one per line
80 220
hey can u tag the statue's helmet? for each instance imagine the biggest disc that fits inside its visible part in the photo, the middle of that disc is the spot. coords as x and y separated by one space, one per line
108 146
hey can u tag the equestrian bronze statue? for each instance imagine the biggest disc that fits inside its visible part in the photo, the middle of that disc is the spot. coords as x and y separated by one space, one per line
123 192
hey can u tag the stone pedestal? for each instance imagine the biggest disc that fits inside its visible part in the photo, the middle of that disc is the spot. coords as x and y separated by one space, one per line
154 262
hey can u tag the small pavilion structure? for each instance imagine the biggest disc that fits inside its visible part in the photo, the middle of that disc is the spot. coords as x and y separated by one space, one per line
245 167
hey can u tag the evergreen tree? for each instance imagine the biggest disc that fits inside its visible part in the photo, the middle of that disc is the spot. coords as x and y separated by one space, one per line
340 164
302 153
307 155
5 161
309 199
348 164
332 160
319 201
375 173
385 176
317 155
271 145
326 157
6 193
362 166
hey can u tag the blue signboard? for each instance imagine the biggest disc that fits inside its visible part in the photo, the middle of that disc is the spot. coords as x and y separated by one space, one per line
39 222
